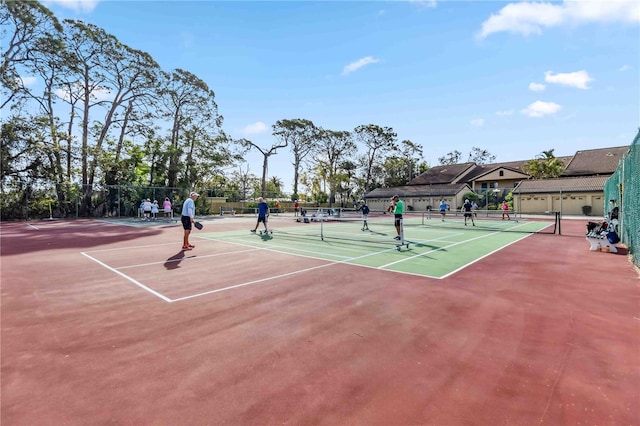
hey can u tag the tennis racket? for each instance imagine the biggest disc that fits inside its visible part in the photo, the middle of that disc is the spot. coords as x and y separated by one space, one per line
198 225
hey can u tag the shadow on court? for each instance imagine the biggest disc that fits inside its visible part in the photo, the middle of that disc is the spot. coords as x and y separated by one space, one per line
174 261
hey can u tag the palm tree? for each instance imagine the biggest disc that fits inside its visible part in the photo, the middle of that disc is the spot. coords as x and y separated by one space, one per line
544 166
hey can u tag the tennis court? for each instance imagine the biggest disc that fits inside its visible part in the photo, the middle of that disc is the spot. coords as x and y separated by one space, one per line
317 323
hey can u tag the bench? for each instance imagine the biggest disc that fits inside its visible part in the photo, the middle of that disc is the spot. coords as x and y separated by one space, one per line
597 236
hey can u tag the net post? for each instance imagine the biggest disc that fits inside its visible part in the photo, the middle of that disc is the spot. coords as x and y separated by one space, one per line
321 229
558 222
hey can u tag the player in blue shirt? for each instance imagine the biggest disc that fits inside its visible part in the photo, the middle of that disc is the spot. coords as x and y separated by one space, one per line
263 214
365 212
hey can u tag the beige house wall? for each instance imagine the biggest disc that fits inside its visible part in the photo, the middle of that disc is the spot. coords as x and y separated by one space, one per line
571 203
509 179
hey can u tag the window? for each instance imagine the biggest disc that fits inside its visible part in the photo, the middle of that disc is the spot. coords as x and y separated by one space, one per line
501 172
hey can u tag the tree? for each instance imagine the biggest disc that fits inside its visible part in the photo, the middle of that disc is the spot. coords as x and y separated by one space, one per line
452 157
189 105
26 24
411 154
110 77
480 156
275 186
266 153
379 142
299 133
332 149
544 166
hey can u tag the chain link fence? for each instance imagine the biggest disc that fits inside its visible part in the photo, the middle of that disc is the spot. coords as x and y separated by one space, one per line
42 200
622 189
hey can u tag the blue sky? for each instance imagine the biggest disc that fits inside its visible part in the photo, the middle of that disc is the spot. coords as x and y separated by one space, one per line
514 78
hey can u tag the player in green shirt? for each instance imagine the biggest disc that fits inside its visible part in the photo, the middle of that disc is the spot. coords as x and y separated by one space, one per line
398 209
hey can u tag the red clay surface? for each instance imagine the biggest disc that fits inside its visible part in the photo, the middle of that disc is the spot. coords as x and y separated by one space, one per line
542 332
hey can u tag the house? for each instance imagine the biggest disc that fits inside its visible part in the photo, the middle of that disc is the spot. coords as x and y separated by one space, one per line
578 191
581 184
418 197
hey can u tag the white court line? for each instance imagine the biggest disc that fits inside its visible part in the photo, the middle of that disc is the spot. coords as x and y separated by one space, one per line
331 263
139 284
482 257
280 246
33 226
130 247
139 265
140 247
253 282
446 247
136 224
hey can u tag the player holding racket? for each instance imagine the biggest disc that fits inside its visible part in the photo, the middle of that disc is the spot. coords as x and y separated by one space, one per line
398 209
188 218
263 214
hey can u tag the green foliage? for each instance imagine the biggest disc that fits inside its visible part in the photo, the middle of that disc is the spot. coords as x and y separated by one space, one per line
321 197
544 166
472 196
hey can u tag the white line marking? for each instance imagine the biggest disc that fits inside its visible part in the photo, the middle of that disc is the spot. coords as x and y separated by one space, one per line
443 248
33 226
139 265
279 246
142 286
130 247
482 257
253 282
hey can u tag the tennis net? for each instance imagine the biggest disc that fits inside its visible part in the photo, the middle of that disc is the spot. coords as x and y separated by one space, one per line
377 231
488 220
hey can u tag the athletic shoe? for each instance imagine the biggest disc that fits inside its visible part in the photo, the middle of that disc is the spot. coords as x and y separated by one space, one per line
186 248
397 237
253 230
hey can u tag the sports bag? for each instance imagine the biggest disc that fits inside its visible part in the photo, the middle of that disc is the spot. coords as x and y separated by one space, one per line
613 238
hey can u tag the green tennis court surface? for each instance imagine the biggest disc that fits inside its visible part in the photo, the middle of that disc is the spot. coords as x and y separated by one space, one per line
434 250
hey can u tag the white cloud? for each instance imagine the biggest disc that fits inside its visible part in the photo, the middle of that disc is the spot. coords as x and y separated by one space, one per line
255 128
424 3
28 81
528 18
537 87
354 66
541 108
505 112
75 5
578 79
624 68
477 122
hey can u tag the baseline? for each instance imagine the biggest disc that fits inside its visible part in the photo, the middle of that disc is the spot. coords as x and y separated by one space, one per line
128 278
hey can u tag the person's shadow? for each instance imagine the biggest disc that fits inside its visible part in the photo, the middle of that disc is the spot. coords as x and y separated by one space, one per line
174 261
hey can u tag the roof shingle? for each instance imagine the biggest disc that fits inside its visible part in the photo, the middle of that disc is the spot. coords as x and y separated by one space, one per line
603 161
